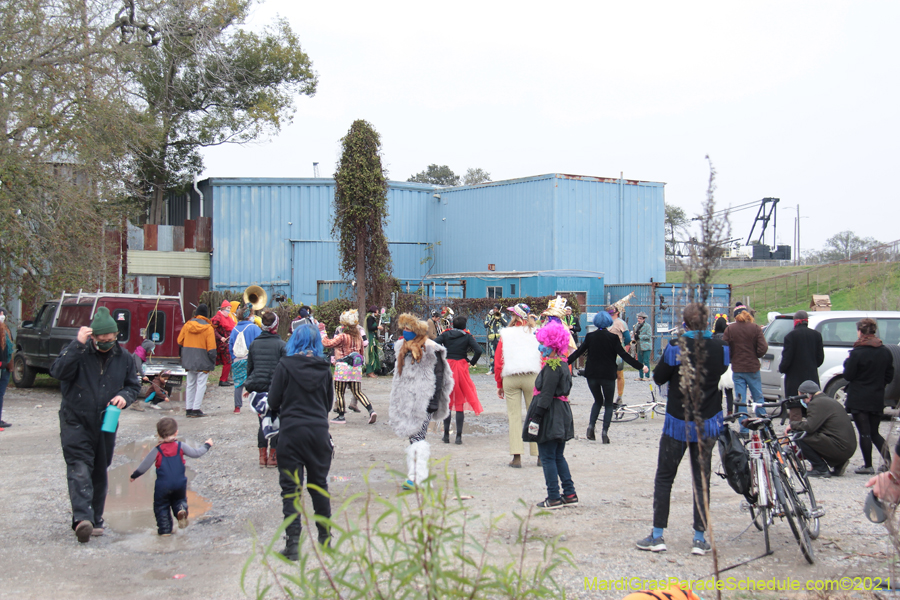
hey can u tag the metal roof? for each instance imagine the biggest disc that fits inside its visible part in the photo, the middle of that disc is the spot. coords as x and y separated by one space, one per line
508 274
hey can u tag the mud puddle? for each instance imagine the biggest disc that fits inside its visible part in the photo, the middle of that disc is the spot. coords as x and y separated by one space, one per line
129 504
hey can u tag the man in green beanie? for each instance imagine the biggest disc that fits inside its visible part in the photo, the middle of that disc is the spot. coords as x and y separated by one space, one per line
94 372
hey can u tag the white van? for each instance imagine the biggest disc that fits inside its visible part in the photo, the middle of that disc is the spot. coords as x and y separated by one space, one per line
838 329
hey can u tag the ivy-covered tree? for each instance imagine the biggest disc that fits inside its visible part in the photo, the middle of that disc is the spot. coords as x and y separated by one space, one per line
360 214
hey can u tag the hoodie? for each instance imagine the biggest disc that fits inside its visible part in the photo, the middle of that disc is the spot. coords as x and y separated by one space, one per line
198 342
302 392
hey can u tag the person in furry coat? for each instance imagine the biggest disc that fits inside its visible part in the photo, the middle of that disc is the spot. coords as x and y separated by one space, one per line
420 392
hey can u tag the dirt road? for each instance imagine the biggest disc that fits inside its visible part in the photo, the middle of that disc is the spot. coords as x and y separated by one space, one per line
40 557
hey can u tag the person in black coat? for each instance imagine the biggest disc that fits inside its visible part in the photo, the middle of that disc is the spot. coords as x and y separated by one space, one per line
802 356
458 343
265 352
602 347
681 425
869 368
94 373
302 394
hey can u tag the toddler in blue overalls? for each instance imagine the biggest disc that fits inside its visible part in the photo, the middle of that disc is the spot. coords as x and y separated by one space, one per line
170 492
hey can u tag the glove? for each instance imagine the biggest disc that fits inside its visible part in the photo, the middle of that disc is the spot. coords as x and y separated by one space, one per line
432 407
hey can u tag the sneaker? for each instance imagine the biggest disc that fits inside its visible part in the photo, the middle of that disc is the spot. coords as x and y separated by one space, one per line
156 407
137 406
551 504
339 420
97 532
353 408
700 547
652 544
824 474
197 414
182 517
189 412
237 410
570 500
372 416
839 470
226 384
4 424
408 485
864 470
83 531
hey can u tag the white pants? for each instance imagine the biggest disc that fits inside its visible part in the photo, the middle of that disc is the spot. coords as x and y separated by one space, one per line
195 389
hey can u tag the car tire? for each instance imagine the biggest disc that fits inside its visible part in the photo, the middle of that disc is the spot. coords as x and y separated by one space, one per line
22 374
892 390
837 389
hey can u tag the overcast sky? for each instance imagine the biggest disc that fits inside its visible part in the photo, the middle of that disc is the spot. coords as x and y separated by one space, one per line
795 100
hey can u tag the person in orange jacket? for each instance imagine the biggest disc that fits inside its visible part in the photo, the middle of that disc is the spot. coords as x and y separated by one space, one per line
198 357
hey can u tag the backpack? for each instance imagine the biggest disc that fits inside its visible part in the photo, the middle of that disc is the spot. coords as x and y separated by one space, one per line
354 359
735 461
240 349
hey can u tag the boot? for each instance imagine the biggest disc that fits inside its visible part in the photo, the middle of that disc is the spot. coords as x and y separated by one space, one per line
262 457
590 432
291 546
604 437
516 462
446 438
421 451
273 460
354 405
460 419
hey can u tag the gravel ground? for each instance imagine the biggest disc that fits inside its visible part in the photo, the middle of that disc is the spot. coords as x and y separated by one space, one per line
230 493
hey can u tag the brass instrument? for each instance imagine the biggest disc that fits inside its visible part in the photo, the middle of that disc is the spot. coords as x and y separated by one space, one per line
256 297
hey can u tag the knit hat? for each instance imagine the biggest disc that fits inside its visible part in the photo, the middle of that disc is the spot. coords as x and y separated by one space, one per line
350 317
303 313
225 304
809 387
103 323
148 345
202 311
801 315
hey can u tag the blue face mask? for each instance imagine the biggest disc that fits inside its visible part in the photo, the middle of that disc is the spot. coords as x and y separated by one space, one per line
545 350
409 335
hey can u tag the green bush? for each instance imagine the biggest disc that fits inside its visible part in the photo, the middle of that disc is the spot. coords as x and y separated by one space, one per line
420 544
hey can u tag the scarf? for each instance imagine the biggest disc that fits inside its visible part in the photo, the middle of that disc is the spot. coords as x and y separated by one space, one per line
416 347
799 321
868 340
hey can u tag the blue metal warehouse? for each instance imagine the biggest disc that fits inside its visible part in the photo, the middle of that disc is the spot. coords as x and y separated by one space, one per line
276 233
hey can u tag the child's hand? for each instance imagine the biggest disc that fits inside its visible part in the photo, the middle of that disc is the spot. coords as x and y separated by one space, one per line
209 441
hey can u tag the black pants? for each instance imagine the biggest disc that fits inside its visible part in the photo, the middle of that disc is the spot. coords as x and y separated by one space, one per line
604 393
166 503
671 451
88 453
304 449
815 459
867 425
729 400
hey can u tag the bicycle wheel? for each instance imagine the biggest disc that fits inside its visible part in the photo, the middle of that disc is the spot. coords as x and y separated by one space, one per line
623 414
793 513
660 409
761 514
803 487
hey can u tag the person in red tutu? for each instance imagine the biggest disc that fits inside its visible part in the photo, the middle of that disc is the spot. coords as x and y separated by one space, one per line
458 342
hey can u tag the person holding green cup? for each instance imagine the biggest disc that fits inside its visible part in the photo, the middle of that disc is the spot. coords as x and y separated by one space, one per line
97 378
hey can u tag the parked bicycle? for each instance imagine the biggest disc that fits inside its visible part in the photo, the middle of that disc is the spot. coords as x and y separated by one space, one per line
630 412
779 486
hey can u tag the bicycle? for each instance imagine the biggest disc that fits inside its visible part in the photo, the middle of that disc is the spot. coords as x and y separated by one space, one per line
778 480
630 412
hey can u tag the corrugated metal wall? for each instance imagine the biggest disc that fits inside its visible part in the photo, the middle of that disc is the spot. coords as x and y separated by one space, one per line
276 233
553 222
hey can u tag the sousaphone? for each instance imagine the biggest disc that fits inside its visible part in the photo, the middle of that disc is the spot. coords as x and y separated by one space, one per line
256 297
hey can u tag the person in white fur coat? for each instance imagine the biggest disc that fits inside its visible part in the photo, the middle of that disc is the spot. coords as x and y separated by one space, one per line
420 393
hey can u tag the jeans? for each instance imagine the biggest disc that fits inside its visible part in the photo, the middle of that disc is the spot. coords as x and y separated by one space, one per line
195 389
238 396
671 451
753 382
602 390
644 358
4 381
556 469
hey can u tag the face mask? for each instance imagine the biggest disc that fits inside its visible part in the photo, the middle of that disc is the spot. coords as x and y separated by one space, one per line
409 335
2 318
545 350
105 346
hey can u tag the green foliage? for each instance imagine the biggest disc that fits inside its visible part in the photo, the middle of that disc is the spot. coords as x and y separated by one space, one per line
676 220
420 544
360 215
476 176
436 175
329 312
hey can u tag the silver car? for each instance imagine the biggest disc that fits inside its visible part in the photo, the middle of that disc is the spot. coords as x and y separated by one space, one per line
838 329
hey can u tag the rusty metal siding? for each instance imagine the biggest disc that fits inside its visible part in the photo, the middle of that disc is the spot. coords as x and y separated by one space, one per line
276 233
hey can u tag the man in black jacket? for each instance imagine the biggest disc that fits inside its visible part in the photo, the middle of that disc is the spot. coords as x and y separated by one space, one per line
265 352
94 373
458 342
802 356
829 438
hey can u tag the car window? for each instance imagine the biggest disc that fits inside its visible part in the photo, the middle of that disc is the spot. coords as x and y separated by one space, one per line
838 332
889 330
777 329
43 319
75 315
156 327
122 318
